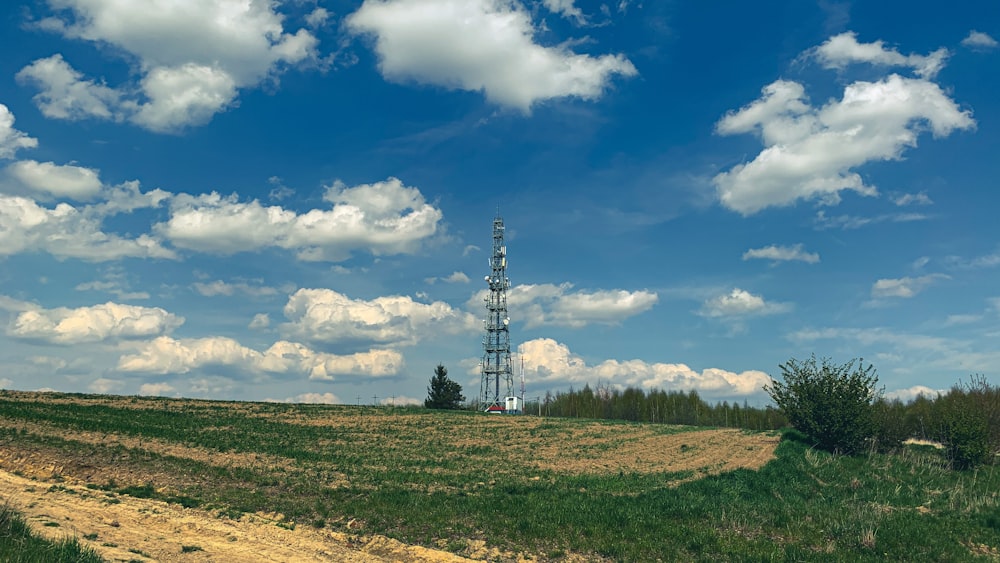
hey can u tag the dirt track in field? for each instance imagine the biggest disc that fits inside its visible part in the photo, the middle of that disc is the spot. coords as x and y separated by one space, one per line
50 489
123 528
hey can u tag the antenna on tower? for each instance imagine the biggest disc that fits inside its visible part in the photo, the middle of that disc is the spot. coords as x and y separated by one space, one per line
521 357
496 364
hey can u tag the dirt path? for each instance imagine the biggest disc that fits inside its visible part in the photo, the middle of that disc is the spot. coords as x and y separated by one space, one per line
123 528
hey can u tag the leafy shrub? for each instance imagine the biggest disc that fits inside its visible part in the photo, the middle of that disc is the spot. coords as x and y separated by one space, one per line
831 404
892 426
965 422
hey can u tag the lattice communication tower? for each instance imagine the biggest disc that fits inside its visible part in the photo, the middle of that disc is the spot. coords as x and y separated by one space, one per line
497 373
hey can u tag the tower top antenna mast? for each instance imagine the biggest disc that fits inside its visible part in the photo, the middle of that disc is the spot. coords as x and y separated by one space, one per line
497 385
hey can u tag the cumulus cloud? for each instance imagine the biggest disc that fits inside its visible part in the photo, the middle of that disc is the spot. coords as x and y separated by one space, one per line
741 303
44 180
979 41
782 254
811 152
455 277
98 323
401 401
557 305
166 355
565 8
156 389
481 45
911 393
842 50
192 56
312 399
550 362
104 385
260 321
66 231
12 140
905 287
66 94
326 316
382 218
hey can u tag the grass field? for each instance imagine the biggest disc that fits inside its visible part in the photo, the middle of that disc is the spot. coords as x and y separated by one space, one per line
555 489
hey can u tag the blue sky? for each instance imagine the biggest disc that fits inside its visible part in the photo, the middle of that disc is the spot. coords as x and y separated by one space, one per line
293 200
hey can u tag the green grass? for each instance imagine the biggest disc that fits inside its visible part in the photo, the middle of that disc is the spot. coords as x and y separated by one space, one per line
18 544
388 473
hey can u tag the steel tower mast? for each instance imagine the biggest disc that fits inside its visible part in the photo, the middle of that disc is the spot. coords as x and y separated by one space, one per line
497 373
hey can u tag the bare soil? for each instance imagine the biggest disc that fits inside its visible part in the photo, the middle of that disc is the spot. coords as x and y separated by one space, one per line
123 528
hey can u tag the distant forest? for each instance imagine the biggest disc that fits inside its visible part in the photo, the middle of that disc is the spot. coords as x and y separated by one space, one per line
976 403
656 406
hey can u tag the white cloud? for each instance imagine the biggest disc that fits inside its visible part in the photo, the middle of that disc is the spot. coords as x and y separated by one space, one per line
979 41
401 401
6 383
104 385
259 321
740 303
782 253
47 179
312 399
165 355
844 49
192 55
455 277
127 197
156 389
953 320
12 140
911 393
318 17
98 323
113 287
903 200
12 305
846 222
480 45
984 261
383 218
565 8
66 231
219 287
183 96
905 287
548 361
810 152
65 94
326 316
556 305
878 335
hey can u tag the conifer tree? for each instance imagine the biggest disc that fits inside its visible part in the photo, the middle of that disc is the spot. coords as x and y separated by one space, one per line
443 393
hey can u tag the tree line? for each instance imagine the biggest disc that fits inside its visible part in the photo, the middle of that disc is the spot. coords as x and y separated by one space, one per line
656 406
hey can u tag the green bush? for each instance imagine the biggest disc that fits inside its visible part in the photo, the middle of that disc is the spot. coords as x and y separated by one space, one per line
892 426
963 423
831 404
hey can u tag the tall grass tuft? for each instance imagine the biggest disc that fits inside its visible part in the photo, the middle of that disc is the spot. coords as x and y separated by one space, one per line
18 544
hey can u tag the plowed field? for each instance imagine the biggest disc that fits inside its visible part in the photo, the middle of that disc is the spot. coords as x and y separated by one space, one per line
167 480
